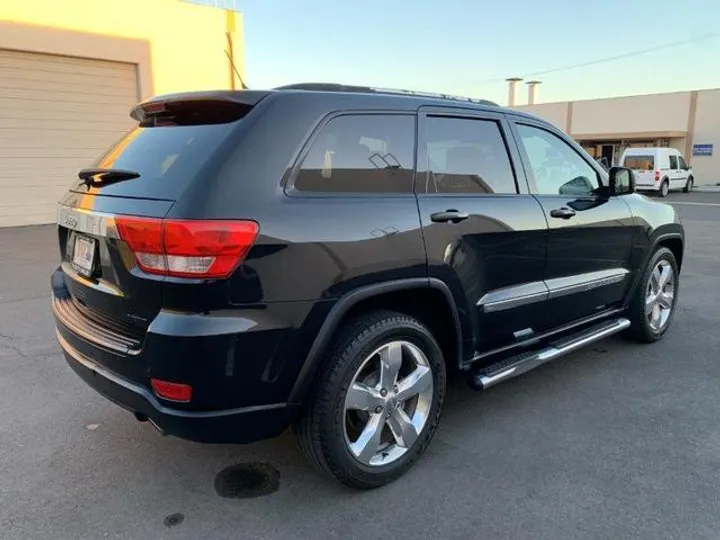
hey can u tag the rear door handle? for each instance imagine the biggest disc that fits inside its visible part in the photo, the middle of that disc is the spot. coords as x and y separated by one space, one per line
562 213
449 216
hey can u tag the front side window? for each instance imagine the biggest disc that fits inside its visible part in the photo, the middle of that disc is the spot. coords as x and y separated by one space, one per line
673 162
683 163
362 153
558 169
467 156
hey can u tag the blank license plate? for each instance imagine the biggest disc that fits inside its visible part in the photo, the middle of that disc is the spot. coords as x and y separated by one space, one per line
84 255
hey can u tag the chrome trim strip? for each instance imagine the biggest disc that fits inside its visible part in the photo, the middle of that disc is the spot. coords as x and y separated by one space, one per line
87 221
584 282
511 297
539 291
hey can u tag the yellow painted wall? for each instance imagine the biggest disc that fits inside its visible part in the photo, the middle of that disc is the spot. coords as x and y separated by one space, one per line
187 41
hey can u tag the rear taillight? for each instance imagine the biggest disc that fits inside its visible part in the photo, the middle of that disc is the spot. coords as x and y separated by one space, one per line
187 248
657 176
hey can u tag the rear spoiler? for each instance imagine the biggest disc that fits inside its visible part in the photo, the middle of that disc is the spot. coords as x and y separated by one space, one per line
212 107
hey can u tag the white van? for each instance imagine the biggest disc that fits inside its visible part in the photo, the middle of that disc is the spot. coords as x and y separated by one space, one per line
658 169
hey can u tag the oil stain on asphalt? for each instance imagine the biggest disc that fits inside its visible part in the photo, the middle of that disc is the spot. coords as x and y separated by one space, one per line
173 519
247 480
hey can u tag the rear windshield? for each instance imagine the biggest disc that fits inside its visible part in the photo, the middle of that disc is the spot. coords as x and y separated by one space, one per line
167 158
640 163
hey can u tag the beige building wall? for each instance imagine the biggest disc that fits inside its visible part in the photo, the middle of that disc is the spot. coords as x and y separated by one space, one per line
707 131
185 43
632 114
555 113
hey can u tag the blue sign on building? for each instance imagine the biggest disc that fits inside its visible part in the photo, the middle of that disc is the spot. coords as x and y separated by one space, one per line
702 149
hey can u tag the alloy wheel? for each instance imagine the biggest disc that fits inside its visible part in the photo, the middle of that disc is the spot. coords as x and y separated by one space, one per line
660 295
388 403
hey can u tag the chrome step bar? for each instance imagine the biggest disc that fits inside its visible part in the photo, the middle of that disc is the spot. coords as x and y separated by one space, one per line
517 365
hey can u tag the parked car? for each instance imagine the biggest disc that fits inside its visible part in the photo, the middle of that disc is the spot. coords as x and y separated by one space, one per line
659 169
322 256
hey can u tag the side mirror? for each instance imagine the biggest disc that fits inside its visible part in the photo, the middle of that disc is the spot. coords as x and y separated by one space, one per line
622 181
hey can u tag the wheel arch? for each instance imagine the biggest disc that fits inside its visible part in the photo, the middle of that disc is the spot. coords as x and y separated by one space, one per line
390 295
672 239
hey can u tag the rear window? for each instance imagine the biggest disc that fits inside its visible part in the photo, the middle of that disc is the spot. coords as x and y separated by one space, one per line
167 158
640 163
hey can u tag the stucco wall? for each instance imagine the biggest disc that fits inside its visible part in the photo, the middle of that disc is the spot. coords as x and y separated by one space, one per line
187 42
707 131
651 113
555 113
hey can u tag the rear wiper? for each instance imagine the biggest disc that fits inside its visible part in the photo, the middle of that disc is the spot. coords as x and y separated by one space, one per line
105 176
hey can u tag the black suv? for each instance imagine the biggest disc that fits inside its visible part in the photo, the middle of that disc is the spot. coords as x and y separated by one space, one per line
322 255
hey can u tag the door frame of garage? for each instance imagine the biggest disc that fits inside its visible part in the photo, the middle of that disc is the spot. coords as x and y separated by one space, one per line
46 40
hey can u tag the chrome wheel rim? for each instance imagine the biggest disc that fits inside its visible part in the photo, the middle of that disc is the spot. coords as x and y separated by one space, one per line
388 403
660 296
664 188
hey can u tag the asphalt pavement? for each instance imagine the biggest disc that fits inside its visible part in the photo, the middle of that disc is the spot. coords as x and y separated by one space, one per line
619 441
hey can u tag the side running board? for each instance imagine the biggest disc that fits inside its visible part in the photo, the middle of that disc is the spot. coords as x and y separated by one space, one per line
517 365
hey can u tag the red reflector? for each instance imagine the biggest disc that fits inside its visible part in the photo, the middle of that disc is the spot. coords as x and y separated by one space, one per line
171 391
188 248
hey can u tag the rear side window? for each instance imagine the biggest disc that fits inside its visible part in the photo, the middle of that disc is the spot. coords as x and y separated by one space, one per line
640 163
673 162
361 153
168 159
467 156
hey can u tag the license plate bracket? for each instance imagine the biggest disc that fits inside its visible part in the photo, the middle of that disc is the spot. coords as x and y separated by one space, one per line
83 260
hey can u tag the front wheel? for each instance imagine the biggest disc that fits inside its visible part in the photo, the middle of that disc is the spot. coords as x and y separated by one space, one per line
689 185
377 401
653 306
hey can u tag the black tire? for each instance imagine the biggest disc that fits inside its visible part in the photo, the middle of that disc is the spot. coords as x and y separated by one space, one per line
689 185
321 429
664 188
640 328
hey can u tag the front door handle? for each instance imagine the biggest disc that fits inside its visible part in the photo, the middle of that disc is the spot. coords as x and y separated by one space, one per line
562 213
449 216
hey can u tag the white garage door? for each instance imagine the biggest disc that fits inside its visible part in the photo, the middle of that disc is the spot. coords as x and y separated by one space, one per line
57 115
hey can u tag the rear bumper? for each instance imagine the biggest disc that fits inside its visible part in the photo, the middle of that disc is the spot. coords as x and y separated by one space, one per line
647 187
242 364
243 425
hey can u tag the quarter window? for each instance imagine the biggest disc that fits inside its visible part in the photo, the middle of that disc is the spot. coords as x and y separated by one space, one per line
362 153
558 169
467 156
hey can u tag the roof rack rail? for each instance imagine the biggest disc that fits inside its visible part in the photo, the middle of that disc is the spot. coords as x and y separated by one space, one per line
336 87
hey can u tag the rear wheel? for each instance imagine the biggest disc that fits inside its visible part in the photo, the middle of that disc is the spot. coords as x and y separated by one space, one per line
689 184
653 306
664 188
377 402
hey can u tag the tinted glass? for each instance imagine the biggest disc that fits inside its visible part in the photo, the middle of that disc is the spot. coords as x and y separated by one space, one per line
557 167
168 159
682 162
368 153
673 162
467 156
640 163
